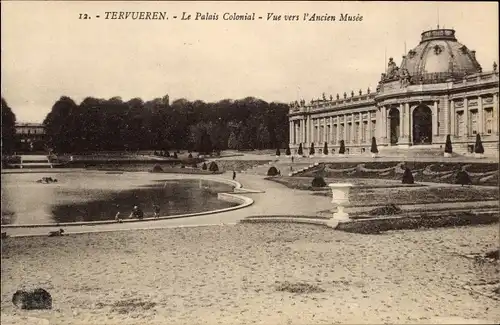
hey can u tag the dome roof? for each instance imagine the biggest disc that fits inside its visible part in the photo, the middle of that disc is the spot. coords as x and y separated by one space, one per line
440 52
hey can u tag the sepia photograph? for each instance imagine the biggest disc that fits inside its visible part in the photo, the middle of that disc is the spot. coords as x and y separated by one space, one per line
249 162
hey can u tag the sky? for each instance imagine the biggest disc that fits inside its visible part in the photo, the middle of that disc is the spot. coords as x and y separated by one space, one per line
48 52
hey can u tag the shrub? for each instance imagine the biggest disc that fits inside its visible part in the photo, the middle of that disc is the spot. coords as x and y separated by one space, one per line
318 181
478 147
325 149
278 153
301 151
387 210
374 148
204 166
311 150
190 155
463 178
342 147
447 147
288 152
175 155
408 177
272 171
157 169
167 154
213 167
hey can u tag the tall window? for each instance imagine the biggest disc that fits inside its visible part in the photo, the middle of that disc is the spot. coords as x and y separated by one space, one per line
460 125
374 125
334 135
488 120
474 121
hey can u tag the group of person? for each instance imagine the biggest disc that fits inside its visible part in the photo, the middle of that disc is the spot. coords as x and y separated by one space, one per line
137 213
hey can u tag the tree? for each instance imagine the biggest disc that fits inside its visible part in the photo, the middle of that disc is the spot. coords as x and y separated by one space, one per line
300 151
213 167
408 176
8 129
447 147
278 153
318 181
463 178
325 149
272 171
311 150
374 148
342 147
478 147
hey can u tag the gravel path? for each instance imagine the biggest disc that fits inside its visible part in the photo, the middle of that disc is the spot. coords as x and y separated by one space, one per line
230 275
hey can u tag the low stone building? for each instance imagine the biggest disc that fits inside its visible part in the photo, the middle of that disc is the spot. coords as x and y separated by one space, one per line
439 89
30 136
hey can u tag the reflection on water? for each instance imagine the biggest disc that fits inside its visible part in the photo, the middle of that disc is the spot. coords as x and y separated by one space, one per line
89 196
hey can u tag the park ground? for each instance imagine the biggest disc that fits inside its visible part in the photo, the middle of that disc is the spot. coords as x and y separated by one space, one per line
255 274
183 271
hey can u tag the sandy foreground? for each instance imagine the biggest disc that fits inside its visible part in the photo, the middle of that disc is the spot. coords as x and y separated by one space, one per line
231 275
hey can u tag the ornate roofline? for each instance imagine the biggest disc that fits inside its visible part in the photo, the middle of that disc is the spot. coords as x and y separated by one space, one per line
440 34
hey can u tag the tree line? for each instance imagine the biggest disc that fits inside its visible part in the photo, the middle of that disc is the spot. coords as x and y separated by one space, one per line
113 124
8 128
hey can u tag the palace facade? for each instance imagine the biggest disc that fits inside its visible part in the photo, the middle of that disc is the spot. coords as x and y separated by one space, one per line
439 89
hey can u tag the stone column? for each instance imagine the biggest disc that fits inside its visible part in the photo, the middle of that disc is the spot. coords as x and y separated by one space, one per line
309 130
290 132
387 126
331 129
402 115
360 130
466 117
446 108
325 130
435 119
495 114
353 128
480 115
369 128
317 140
453 118
345 129
337 131
409 122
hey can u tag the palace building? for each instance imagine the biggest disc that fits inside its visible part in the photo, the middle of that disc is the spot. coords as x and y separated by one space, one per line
439 89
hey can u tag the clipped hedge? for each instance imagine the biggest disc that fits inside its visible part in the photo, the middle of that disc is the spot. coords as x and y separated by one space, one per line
213 167
272 171
157 169
376 226
318 181
204 166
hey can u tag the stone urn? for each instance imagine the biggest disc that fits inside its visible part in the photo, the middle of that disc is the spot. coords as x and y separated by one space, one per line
340 198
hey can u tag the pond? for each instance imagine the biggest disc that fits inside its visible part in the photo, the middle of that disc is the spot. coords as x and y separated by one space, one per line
92 196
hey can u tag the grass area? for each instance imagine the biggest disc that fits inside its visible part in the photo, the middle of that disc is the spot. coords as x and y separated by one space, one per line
376 226
374 192
239 165
486 168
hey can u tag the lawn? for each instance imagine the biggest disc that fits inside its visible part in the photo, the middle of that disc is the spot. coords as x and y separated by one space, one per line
483 173
382 191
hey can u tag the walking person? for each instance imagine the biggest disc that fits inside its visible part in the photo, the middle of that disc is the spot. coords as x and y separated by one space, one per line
156 210
234 175
292 159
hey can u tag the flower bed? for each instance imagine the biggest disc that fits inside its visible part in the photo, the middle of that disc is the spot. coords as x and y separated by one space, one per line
376 226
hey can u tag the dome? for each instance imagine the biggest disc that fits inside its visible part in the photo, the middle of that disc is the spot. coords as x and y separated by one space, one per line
439 52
